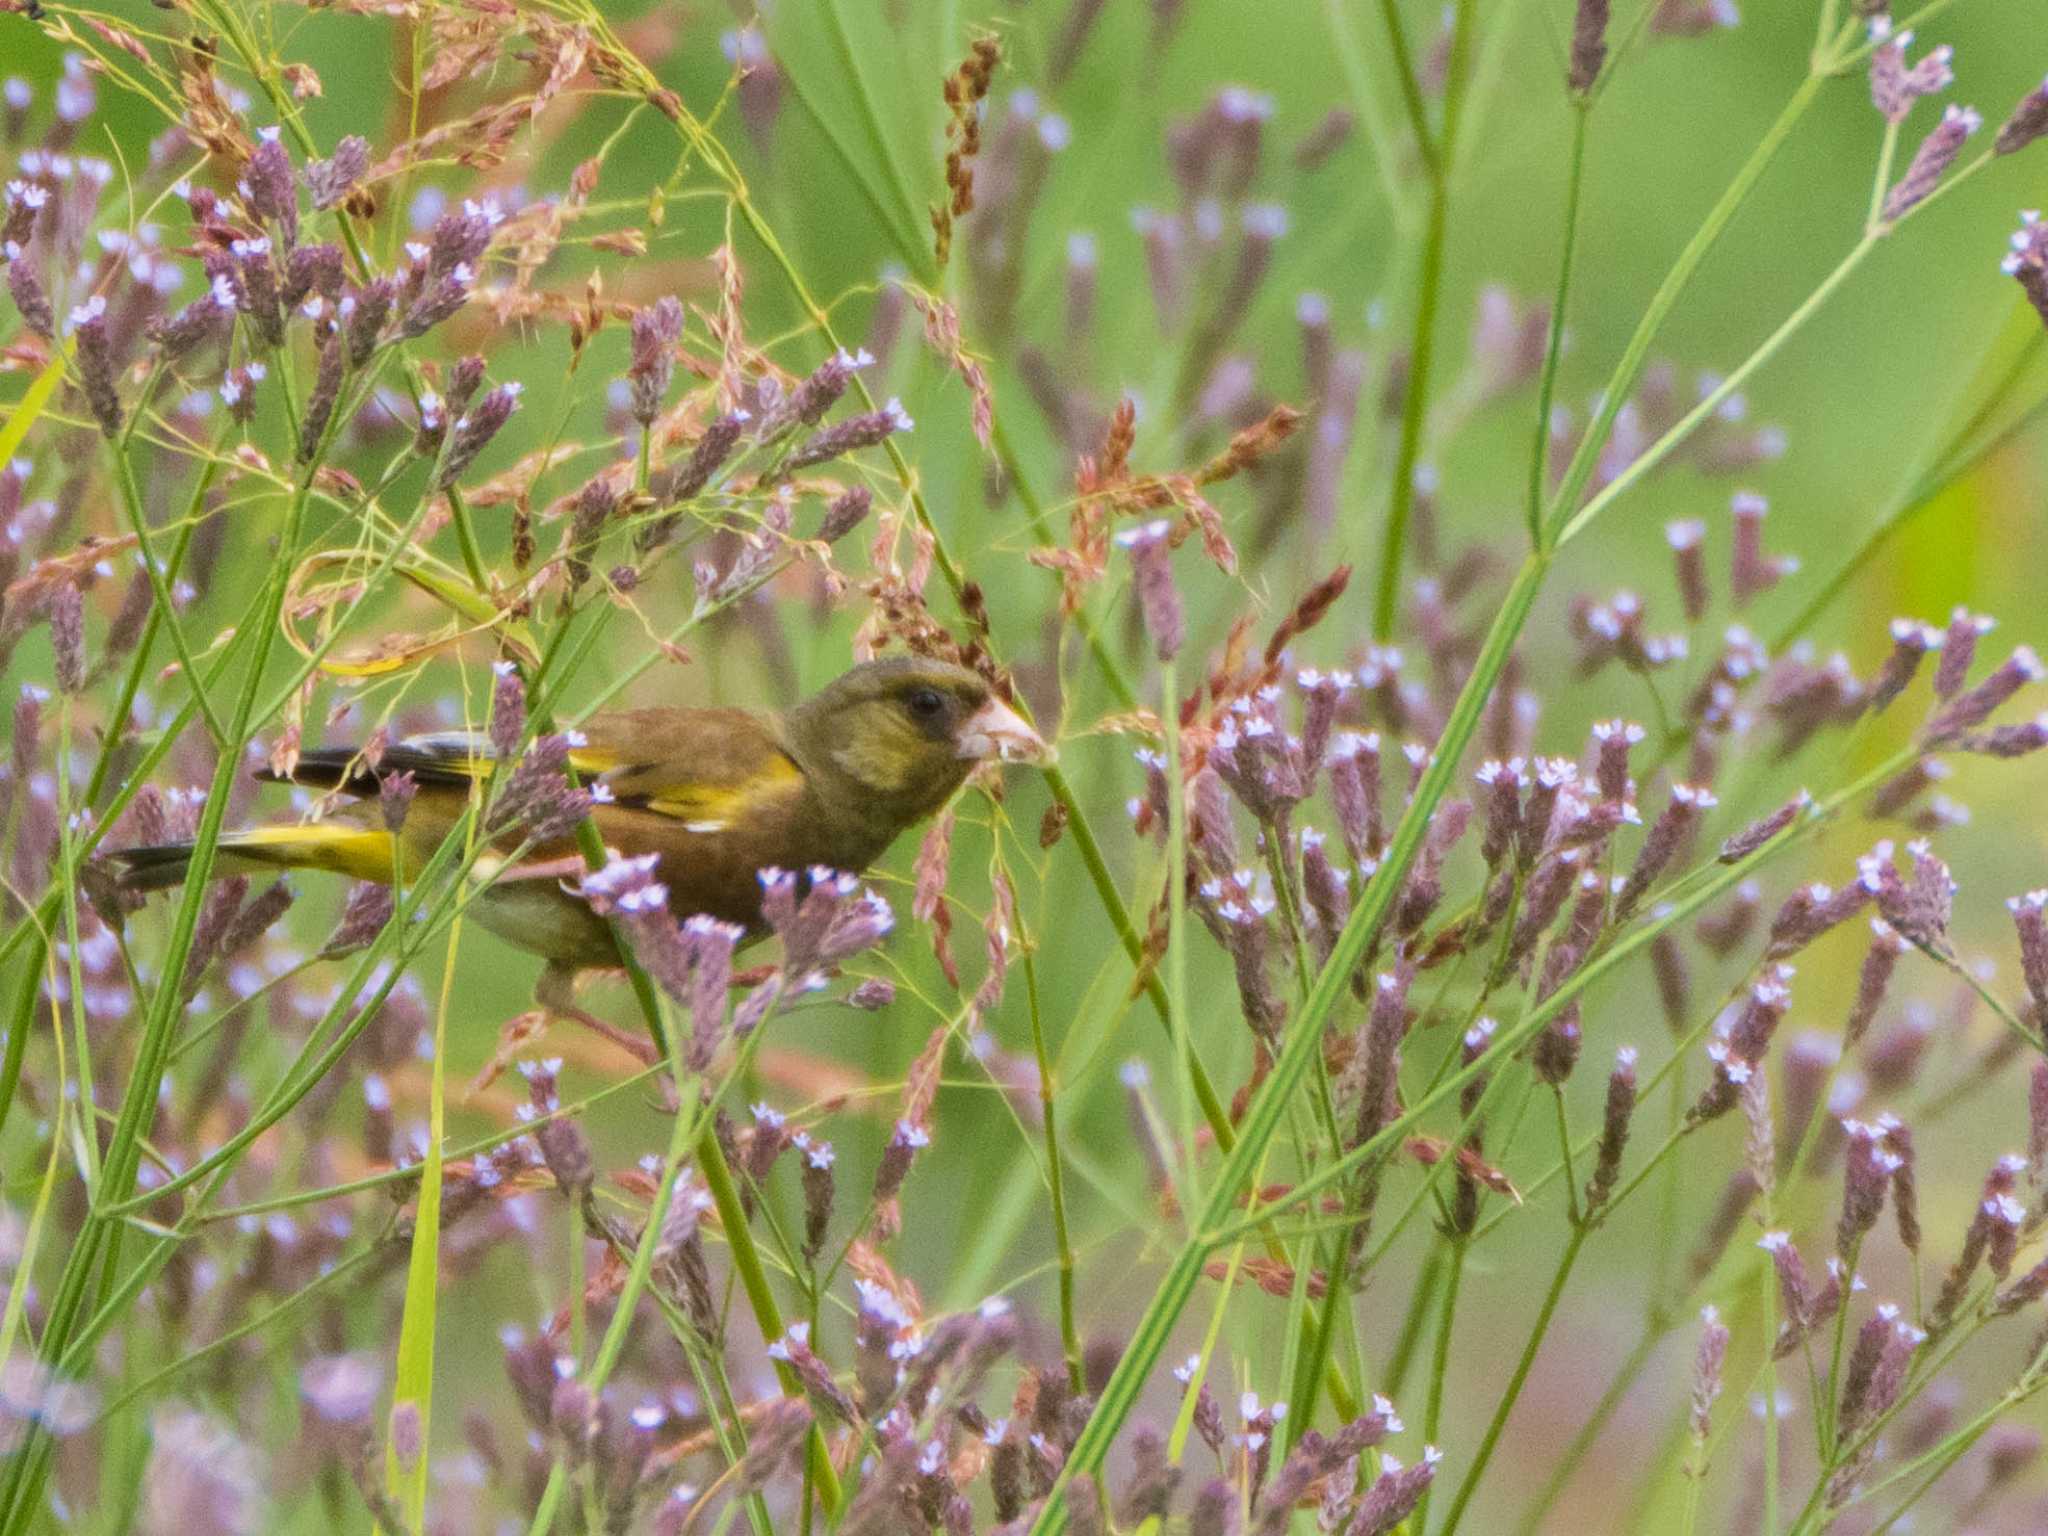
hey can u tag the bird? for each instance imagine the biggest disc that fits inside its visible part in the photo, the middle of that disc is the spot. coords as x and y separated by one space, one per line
717 794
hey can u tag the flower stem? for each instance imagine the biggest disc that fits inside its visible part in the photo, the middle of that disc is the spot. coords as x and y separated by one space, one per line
1428 295
1636 354
1411 1320
1590 1431
1553 349
1070 1338
1689 423
1491 1439
1440 1366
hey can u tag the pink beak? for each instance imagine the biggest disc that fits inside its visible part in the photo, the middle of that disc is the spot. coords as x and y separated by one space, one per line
997 731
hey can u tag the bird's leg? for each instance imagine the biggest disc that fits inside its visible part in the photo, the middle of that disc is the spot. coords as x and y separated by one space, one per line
556 994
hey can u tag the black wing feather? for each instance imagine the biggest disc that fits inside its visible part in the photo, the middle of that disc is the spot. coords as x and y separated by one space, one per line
344 768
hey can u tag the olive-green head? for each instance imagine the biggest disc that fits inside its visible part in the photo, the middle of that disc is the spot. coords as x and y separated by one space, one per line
904 731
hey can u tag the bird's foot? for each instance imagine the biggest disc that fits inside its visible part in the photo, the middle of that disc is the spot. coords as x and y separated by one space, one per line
638 1046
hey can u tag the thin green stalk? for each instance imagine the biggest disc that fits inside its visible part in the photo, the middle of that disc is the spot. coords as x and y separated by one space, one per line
1411 86
1286 901
1440 1368
732 1220
1689 1521
1422 346
1667 1203
1636 354
1517 1380
1990 999
1882 181
1767 1282
1657 452
413 1383
1313 1365
1112 900
1826 31
1589 1432
1553 347
340 1271
1412 1320
21 1014
465 540
1186 1173
1070 1335
685 1129
1914 501
1825 1410
579 1310
160 588
1564 1141
75 967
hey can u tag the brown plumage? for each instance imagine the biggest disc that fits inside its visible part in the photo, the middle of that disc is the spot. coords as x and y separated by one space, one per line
718 794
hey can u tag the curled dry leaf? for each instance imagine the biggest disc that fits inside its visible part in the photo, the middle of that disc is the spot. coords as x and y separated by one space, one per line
126 42
208 117
73 568
1269 1275
563 50
921 1087
942 335
509 484
1429 1150
464 41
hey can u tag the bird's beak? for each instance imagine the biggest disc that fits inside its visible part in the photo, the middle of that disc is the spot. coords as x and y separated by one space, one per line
998 731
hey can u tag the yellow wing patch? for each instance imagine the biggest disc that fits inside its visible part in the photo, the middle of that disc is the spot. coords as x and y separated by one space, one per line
713 807
593 761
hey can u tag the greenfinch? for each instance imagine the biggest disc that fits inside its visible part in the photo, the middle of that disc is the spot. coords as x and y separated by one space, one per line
717 794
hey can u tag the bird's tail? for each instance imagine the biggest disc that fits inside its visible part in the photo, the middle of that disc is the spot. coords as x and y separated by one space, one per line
360 852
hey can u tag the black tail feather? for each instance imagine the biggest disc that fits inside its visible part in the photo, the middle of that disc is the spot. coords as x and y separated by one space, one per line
153 868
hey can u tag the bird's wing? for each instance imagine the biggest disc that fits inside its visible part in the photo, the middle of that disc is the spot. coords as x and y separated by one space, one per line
448 759
706 768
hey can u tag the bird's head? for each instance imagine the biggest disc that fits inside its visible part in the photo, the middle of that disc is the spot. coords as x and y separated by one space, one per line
907 730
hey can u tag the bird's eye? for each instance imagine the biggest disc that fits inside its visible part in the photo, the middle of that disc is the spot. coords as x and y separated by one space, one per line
926 703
